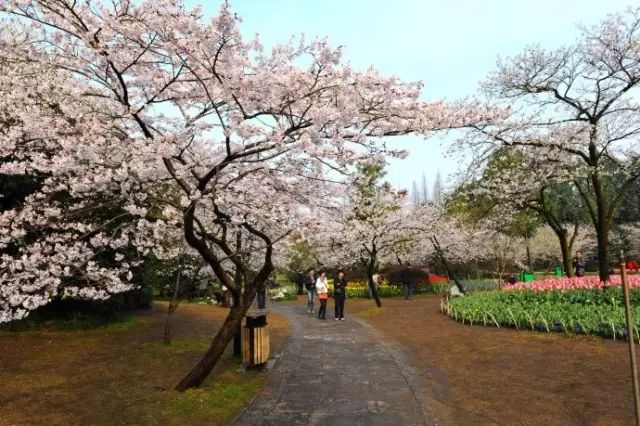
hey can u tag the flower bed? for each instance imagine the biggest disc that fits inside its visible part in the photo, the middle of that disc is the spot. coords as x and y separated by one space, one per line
361 290
433 279
572 305
575 283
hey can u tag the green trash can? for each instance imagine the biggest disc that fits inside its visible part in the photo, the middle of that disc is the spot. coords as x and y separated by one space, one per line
526 277
558 272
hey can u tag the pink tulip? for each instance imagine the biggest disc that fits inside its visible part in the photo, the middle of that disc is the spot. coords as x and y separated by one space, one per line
575 283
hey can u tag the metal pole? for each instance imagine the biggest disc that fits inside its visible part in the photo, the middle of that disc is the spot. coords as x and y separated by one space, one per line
630 337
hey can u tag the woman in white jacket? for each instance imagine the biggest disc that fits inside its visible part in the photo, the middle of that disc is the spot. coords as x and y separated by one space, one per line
322 289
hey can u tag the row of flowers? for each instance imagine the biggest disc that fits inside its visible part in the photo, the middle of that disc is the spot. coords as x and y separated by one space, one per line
591 282
361 290
432 279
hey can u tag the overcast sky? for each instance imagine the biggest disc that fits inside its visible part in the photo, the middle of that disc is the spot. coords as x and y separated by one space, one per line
449 45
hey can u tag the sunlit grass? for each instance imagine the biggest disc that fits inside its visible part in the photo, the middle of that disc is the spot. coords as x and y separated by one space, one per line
371 312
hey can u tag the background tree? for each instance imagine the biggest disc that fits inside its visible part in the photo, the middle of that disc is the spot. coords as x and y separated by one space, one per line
576 107
424 190
437 192
517 180
371 226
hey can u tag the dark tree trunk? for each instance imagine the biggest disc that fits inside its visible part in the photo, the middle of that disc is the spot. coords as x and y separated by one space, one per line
372 287
370 265
220 342
173 305
566 249
242 297
602 226
603 249
440 253
528 247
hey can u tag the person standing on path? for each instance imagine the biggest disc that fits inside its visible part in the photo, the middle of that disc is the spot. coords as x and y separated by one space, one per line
339 295
578 265
322 288
310 286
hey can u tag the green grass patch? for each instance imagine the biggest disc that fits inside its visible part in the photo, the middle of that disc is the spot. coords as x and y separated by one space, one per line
177 346
218 400
371 312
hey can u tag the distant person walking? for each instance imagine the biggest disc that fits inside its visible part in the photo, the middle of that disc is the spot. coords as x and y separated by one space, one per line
339 295
322 289
310 286
407 284
578 265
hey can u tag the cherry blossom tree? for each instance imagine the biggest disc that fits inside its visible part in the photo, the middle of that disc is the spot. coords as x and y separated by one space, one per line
545 248
516 178
576 107
189 127
77 233
372 226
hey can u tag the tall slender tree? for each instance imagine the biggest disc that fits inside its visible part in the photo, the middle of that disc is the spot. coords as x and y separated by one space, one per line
437 189
424 190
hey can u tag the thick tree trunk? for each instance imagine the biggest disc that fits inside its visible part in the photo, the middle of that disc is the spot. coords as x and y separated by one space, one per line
372 287
565 248
602 226
369 263
528 247
167 324
220 342
173 305
603 249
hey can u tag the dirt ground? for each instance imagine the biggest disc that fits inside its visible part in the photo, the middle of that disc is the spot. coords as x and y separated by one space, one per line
481 375
124 374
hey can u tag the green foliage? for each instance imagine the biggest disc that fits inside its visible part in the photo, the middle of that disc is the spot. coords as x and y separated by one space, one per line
301 258
371 312
286 289
479 285
218 399
581 311
76 314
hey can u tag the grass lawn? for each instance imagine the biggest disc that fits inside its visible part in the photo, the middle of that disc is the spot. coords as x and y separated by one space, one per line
122 373
483 375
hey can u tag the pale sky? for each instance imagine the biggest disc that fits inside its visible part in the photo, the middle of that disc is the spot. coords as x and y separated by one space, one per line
449 45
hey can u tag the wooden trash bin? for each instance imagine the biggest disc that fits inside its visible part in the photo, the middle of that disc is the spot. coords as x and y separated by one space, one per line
255 338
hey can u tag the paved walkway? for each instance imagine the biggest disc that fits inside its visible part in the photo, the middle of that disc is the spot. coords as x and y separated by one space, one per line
337 373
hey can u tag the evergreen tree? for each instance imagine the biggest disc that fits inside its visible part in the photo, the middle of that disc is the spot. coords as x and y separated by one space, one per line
415 194
424 191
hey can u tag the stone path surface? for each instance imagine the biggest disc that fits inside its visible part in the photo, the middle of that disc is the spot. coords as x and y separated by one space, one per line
337 373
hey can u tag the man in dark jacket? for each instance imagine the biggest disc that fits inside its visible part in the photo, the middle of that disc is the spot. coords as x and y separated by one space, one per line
406 279
300 281
310 286
339 295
